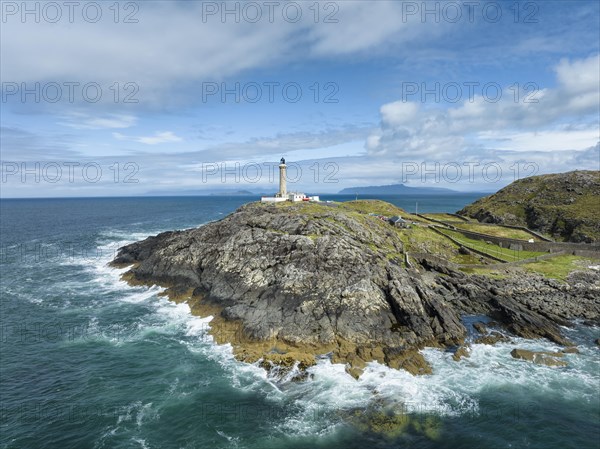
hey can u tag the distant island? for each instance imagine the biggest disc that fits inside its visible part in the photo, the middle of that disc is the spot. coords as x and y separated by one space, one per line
396 189
361 281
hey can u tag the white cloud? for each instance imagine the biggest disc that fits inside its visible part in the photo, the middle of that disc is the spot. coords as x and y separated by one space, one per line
110 121
187 50
398 113
169 66
466 130
366 25
579 76
157 138
284 144
160 137
554 140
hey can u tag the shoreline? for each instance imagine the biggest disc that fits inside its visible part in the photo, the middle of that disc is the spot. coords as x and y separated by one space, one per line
254 272
275 352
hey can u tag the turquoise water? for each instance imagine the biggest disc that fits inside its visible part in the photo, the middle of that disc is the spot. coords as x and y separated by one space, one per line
90 362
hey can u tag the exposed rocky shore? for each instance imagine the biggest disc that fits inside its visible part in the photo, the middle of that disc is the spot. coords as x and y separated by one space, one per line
287 282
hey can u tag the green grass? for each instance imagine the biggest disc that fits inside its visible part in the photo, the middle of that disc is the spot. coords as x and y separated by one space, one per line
504 254
372 206
496 231
419 238
492 230
445 218
378 207
303 206
557 267
466 259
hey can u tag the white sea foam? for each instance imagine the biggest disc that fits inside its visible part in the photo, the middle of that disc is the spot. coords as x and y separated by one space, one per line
233 441
137 412
141 442
450 391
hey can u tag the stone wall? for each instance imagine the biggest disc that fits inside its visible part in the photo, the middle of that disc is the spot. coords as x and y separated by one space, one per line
530 231
583 249
518 262
461 217
473 250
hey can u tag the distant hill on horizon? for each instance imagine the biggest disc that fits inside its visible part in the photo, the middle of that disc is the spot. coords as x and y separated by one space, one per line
203 192
395 189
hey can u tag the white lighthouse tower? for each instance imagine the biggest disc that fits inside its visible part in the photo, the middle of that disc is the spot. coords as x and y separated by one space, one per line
282 179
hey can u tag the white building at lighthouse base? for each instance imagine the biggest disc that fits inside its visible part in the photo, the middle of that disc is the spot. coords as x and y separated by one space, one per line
294 197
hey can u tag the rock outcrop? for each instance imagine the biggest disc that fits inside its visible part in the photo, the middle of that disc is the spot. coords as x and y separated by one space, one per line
461 351
289 281
539 357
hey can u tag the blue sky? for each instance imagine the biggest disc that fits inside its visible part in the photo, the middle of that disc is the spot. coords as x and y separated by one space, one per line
361 118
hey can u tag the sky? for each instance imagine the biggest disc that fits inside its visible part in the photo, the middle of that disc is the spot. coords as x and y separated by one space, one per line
188 97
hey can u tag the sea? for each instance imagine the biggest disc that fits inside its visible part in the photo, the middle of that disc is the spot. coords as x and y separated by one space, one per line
88 361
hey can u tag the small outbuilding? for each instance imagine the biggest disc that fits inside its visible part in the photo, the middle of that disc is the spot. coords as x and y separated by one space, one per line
397 221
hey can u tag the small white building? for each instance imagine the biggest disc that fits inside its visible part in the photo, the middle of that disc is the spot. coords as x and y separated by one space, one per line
296 196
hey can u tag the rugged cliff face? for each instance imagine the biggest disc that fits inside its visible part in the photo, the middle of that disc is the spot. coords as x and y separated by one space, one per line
565 205
288 281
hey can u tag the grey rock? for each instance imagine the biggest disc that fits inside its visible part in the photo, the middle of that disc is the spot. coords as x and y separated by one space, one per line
539 357
308 275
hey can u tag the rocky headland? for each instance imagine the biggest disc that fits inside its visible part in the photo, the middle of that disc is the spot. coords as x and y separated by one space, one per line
291 281
565 206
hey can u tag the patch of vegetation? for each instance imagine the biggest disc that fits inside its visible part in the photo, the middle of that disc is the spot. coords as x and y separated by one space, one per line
496 231
380 208
468 259
277 231
489 272
505 254
558 267
447 218
373 206
421 239
308 207
393 242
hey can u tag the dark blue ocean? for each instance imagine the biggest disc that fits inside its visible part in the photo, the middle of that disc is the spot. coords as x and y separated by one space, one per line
89 362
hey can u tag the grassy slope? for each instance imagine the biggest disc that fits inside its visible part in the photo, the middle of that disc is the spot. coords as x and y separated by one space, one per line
558 268
482 228
497 231
419 238
502 253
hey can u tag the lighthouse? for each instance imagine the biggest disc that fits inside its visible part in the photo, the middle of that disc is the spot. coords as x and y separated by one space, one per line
282 179
283 194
